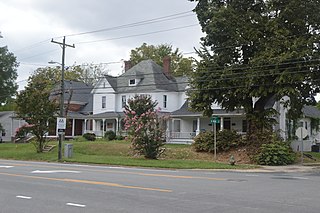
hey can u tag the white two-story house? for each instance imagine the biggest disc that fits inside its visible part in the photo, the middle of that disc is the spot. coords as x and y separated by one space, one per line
100 109
111 94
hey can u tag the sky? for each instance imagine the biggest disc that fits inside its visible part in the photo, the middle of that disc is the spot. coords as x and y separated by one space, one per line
103 31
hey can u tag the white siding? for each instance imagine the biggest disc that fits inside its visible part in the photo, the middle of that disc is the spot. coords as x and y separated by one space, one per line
173 100
97 103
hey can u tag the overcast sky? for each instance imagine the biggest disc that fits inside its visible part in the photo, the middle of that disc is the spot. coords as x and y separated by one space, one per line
27 27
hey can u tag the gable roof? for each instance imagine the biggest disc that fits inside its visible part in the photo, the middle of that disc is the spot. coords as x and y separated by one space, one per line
149 77
186 111
311 111
81 94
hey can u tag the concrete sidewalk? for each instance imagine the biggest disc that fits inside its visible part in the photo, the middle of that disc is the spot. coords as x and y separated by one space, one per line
289 168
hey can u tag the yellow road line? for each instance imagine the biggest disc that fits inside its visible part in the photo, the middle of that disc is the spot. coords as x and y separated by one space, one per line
123 172
88 182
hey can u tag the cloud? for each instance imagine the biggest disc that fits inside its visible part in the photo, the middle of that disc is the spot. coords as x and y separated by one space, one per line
28 26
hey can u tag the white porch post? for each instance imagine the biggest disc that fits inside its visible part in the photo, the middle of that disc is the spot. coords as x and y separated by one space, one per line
93 125
221 123
85 125
73 126
103 122
198 126
117 126
168 131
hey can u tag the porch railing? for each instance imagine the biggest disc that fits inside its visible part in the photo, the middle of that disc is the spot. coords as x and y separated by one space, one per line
182 135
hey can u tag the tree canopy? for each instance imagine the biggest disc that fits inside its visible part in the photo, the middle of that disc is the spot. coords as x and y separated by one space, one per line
179 65
256 52
8 74
87 73
33 105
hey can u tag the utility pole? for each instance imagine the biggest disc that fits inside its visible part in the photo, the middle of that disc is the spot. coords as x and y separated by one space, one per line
63 46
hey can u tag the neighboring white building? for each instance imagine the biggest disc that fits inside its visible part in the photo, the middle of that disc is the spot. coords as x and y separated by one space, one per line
10 123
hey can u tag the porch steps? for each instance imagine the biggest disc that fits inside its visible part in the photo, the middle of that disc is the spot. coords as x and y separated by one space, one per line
180 141
48 148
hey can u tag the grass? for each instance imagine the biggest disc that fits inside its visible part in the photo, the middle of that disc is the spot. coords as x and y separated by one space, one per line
118 153
315 155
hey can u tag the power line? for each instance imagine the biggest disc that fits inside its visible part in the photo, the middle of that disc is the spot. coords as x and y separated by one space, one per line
136 35
135 24
40 54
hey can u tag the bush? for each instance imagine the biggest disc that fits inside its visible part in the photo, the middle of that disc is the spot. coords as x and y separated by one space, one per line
90 136
226 139
110 135
119 137
275 154
203 142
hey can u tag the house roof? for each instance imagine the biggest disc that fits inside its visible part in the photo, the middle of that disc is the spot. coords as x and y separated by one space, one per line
106 115
311 111
149 77
186 111
81 94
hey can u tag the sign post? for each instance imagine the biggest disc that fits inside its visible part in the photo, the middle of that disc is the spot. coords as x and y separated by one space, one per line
61 126
214 121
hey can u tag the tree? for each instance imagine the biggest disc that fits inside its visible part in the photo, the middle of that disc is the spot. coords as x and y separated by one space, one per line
179 66
8 74
87 73
144 127
34 106
256 52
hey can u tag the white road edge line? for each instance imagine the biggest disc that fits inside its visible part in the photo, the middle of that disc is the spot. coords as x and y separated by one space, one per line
251 175
23 197
301 178
76 205
7 167
53 171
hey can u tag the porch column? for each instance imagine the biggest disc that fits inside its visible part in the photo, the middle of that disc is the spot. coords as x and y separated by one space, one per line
93 125
103 122
168 131
221 123
117 126
85 126
73 127
198 126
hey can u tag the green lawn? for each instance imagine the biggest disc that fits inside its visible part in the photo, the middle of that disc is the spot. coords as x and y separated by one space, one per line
118 153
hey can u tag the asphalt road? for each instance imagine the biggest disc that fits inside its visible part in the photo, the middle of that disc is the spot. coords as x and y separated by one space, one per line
48 187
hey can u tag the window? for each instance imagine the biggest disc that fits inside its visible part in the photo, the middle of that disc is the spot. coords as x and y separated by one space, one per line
132 82
164 101
103 101
124 101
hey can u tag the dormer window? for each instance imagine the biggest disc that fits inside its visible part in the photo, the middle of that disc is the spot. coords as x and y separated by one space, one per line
132 82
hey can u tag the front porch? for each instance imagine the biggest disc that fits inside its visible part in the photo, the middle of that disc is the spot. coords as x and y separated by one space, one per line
183 129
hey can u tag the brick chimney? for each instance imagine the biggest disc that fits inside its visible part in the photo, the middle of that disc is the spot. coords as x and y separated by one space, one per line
127 65
166 66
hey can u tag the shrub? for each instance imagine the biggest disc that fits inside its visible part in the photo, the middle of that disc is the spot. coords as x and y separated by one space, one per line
226 139
203 141
119 137
110 135
90 136
275 154
144 127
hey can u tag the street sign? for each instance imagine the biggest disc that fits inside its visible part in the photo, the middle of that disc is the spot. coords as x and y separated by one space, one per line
214 120
61 123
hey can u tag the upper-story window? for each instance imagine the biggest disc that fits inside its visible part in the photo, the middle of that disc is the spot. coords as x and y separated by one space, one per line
132 82
165 99
103 102
123 101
